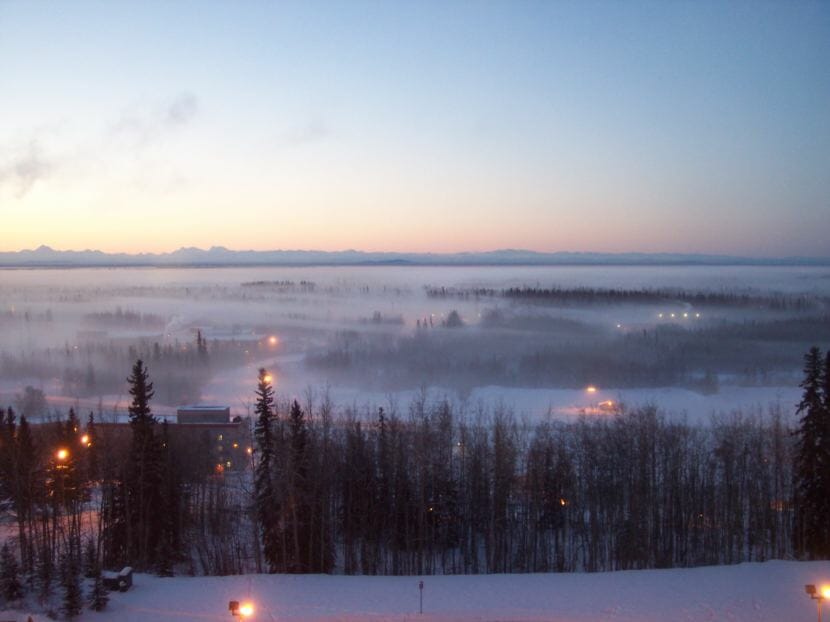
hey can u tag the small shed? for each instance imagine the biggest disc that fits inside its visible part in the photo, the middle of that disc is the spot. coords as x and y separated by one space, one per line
125 578
118 581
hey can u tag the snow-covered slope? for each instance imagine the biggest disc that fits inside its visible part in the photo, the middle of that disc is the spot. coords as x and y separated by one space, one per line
772 591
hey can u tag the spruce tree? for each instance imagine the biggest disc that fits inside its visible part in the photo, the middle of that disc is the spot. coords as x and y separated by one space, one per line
90 559
265 501
45 572
298 494
812 468
92 449
10 587
98 598
70 581
142 471
168 509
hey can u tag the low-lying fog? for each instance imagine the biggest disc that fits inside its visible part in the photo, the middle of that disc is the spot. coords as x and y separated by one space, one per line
693 340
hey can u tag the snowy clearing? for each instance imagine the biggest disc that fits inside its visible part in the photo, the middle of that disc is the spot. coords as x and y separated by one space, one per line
771 591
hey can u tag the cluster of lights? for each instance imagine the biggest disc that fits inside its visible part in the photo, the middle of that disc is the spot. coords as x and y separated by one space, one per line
685 315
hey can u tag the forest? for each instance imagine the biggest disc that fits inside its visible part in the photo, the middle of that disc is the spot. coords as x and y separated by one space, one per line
421 490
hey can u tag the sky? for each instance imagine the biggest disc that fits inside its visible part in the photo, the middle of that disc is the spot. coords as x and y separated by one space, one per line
416 126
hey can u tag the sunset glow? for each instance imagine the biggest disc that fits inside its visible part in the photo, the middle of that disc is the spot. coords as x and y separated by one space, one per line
417 128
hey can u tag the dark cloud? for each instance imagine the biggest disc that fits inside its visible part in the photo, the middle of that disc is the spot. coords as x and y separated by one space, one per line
25 168
141 128
311 132
182 109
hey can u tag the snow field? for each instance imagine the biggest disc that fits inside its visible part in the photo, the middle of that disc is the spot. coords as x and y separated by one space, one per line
758 592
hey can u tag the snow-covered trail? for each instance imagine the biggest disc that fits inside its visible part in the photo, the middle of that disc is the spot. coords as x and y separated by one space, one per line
757 592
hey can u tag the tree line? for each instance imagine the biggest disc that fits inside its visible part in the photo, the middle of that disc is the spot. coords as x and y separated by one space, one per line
425 490
590 296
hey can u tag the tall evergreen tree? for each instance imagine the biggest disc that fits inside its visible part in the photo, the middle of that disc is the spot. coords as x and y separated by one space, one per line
169 509
812 468
299 507
70 581
143 471
45 573
92 449
10 586
98 597
90 558
266 501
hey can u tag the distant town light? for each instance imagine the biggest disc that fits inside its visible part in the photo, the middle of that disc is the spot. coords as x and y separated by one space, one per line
591 389
62 454
85 440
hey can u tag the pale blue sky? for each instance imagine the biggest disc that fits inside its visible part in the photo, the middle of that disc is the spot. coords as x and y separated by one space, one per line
609 126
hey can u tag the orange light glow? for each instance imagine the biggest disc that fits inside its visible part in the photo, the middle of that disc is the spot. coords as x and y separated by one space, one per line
591 389
825 591
268 378
62 454
85 440
272 340
246 610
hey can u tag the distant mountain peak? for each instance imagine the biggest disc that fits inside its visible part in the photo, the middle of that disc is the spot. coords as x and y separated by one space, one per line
220 255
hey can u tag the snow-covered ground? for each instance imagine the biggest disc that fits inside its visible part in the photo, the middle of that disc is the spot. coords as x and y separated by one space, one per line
757 592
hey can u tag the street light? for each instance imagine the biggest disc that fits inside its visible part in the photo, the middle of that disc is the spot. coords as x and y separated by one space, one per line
243 610
818 595
62 454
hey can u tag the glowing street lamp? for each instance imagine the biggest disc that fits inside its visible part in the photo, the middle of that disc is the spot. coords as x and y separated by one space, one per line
272 340
241 610
818 595
62 454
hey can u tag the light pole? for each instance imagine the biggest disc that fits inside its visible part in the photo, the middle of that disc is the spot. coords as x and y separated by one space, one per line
241 610
818 595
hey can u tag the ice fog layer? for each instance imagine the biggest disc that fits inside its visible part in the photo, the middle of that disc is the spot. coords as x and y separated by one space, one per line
693 340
